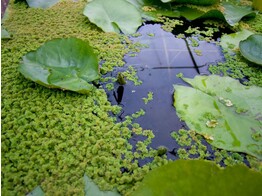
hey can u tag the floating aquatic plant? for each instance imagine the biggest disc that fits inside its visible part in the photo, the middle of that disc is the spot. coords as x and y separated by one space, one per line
39 3
112 15
232 120
198 177
231 41
251 48
69 64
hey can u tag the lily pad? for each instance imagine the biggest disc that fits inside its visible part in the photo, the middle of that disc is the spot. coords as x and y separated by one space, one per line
231 41
232 110
41 3
198 177
4 33
114 15
36 192
251 48
92 189
68 64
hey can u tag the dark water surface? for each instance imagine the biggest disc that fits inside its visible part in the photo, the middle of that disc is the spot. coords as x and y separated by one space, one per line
157 66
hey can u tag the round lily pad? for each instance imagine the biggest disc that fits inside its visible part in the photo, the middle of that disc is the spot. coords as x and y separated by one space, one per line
69 64
251 48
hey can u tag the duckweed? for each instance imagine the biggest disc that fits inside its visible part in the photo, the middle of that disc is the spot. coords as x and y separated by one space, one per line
50 137
148 98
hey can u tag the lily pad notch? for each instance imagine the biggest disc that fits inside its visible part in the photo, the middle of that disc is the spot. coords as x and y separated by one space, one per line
65 63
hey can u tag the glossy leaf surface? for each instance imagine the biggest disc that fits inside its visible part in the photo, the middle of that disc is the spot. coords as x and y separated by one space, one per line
114 15
198 177
251 48
68 64
224 111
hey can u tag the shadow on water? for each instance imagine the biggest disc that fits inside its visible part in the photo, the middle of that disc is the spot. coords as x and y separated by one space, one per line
157 66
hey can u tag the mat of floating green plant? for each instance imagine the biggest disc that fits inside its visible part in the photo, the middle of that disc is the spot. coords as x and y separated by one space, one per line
31 114
198 177
225 112
51 137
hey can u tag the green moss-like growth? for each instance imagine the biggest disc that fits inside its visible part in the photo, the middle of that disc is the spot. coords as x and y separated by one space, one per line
50 137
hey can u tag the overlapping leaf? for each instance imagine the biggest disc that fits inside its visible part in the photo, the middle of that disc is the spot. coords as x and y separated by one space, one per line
198 177
251 48
41 3
225 112
232 40
68 64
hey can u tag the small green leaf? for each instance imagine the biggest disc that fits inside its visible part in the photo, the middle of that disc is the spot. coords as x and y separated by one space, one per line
235 110
199 177
92 189
36 192
68 64
114 15
251 48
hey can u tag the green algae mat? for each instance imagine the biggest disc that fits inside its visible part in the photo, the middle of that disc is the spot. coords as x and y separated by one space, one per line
59 142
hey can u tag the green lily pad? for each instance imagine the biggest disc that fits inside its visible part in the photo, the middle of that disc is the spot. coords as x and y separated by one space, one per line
41 3
251 48
234 13
36 192
231 41
4 33
225 112
68 64
156 8
92 189
114 15
198 177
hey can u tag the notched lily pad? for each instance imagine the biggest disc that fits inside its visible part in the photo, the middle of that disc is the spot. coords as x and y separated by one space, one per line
223 109
114 15
251 48
68 64
198 177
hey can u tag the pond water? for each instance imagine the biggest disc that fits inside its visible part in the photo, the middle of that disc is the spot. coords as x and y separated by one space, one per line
157 65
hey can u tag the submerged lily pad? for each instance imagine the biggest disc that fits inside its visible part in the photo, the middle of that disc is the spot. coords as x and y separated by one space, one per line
92 189
68 64
224 110
114 15
251 48
198 177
